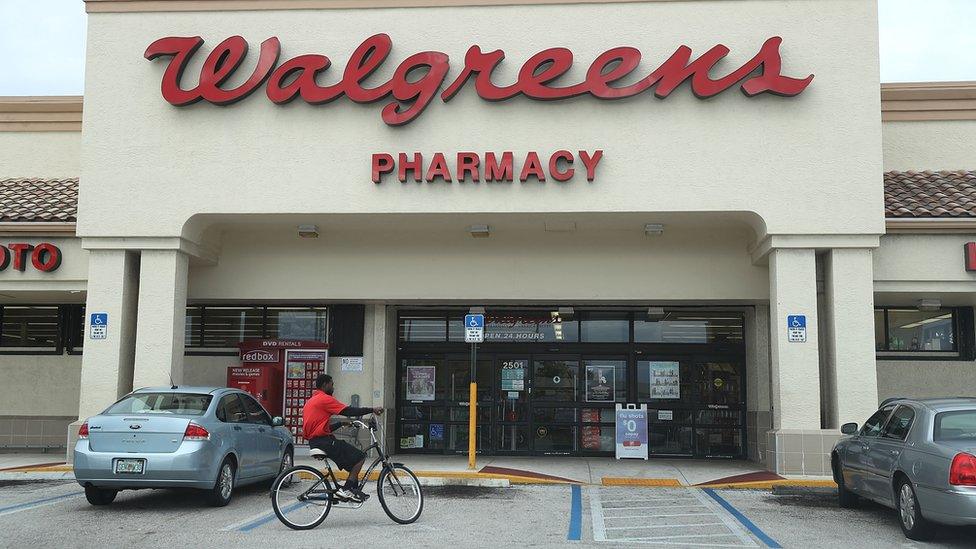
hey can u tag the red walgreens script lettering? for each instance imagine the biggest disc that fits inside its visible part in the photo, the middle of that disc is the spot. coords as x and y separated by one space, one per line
296 77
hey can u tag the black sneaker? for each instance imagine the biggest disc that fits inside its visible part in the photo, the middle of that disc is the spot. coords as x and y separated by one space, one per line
358 495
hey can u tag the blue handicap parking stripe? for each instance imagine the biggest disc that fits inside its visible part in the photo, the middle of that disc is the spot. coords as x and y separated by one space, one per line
37 502
770 542
264 520
575 515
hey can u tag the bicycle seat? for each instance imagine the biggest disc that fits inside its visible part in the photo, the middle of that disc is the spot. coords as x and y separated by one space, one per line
317 454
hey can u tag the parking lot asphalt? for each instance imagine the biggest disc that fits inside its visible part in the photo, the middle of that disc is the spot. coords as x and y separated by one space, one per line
55 514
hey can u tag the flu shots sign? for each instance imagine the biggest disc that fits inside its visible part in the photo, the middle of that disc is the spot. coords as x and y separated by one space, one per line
631 431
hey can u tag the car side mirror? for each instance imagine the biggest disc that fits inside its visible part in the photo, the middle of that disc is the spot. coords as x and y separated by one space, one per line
848 428
277 421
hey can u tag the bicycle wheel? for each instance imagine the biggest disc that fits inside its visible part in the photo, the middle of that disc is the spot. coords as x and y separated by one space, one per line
300 497
400 494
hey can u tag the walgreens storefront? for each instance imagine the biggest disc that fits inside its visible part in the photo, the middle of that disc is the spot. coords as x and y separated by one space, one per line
638 213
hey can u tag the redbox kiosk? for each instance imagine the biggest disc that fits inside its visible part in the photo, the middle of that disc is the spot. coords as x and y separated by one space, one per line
281 374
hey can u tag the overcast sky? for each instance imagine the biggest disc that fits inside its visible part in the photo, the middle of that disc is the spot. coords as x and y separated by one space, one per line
42 43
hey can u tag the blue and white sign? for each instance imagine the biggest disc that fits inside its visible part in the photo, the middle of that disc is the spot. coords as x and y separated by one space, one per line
98 326
796 328
631 431
474 328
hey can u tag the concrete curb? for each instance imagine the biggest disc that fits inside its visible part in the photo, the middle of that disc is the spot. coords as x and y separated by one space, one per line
494 480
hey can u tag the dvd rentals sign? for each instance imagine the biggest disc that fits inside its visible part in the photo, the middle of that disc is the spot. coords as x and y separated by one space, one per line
420 79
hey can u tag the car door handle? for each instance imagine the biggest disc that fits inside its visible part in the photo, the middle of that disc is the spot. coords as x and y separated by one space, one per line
237 427
261 429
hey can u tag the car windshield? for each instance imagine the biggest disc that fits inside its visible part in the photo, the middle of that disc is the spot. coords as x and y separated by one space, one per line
959 425
178 404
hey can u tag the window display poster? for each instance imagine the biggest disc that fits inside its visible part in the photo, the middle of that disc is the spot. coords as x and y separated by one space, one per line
665 380
513 375
420 382
591 437
600 383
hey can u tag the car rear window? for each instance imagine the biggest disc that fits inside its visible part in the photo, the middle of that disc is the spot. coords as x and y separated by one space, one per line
178 404
959 425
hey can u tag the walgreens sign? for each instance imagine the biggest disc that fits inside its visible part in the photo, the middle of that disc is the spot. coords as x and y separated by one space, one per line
417 79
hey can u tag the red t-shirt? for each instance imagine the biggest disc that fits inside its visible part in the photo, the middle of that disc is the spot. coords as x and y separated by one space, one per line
318 410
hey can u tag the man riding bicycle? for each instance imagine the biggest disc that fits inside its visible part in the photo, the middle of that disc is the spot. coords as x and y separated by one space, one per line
319 409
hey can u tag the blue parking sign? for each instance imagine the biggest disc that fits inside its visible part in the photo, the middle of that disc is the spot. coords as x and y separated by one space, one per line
796 328
474 321
98 326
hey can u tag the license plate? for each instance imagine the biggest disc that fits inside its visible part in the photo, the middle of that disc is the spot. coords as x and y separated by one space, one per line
130 466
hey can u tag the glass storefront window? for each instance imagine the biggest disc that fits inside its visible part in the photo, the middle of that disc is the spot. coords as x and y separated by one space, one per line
720 383
529 327
193 329
513 438
419 381
606 380
228 326
305 324
665 380
554 439
683 327
555 380
422 328
718 442
595 438
879 330
551 415
911 330
455 380
29 326
670 440
601 327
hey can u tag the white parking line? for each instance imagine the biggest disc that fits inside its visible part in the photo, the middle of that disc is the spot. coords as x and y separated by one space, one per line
596 512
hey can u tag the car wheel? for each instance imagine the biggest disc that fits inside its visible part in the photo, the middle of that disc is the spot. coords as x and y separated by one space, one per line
223 489
100 496
845 498
913 524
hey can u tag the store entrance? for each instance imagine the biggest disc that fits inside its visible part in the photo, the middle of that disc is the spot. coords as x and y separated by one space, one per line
546 399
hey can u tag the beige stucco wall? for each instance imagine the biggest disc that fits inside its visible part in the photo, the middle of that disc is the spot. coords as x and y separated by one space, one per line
31 284
913 266
925 379
929 145
364 260
40 154
39 385
731 153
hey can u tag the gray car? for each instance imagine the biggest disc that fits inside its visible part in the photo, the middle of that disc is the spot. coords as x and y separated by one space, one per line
213 439
915 456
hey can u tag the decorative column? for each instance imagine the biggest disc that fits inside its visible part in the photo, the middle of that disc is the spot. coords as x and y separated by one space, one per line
107 363
162 317
849 311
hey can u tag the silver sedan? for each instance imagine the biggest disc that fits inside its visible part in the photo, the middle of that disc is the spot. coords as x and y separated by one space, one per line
213 439
915 456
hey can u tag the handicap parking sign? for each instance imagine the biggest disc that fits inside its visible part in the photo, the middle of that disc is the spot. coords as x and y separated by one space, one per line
796 328
474 328
98 326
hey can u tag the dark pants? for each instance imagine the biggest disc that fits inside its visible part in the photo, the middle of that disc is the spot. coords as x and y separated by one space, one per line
345 455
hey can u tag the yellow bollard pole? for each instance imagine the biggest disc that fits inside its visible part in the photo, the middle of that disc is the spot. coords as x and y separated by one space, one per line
473 426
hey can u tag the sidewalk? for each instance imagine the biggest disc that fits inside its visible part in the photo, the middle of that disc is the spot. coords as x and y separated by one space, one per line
506 470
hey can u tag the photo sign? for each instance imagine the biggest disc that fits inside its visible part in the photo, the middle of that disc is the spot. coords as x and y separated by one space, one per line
631 431
601 383
420 383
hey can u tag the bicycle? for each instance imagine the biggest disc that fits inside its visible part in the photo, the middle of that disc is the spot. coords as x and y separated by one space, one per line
302 496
